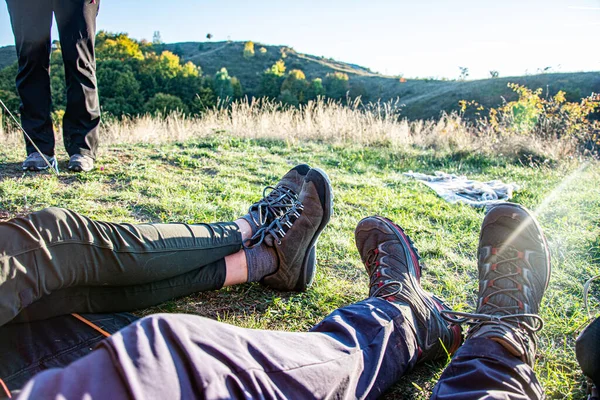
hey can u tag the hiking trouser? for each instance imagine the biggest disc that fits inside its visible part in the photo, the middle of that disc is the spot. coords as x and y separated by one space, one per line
59 253
358 351
32 22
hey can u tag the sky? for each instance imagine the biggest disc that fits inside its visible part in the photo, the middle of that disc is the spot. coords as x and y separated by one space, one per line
425 38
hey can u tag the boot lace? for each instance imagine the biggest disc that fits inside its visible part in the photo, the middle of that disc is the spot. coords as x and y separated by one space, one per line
379 285
506 267
278 228
275 202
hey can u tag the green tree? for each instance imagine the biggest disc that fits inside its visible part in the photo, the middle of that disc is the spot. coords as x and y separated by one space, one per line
294 88
249 49
58 86
262 51
336 85
238 91
164 103
156 38
315 89
204 100
119 89
272 79
117 46
222 85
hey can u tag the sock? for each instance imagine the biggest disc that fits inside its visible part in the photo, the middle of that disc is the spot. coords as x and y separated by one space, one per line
262 261
248 217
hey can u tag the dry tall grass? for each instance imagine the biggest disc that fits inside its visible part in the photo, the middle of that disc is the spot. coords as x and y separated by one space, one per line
328 121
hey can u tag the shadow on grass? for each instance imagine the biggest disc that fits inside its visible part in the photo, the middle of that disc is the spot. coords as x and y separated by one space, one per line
231 302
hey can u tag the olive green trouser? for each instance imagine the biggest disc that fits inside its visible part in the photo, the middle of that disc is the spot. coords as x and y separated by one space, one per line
56 261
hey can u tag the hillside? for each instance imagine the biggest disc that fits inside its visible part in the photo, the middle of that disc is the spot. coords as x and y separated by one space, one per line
423 98
7 56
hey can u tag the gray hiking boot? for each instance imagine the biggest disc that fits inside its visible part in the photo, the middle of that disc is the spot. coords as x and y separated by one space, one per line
38 162
514 272
294 235
277 200
81 163
392 263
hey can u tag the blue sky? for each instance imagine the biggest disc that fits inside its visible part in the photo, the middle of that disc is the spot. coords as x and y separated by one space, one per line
423 38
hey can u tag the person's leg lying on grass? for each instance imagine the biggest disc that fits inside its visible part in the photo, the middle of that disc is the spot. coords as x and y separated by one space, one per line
358 351
514 271
58 249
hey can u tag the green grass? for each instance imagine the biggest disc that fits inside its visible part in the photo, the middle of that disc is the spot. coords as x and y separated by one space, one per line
217 178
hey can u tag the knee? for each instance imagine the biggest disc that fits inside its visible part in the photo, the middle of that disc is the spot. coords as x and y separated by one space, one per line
52 214
51 219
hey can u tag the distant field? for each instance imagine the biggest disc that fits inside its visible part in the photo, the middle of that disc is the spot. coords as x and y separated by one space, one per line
209 171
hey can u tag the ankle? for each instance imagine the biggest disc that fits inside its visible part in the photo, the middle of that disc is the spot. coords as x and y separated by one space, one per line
262 261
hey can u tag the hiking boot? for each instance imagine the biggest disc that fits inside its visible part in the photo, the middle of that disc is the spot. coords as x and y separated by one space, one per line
514 272
394 270
277 200
38 162
81 163
294 235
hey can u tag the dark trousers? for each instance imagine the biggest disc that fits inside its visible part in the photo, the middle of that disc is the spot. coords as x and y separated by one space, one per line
56 261
31 22
358 351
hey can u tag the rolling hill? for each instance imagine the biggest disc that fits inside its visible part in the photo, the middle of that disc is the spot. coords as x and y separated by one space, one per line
423 98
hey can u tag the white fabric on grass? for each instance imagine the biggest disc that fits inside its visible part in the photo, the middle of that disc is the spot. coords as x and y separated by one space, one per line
460 189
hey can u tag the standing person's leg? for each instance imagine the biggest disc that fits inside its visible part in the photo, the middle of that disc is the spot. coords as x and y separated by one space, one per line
56 249
31 23
514 271
77 28
357 352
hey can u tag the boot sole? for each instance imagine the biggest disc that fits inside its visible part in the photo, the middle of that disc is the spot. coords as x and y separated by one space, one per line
539 229
308 269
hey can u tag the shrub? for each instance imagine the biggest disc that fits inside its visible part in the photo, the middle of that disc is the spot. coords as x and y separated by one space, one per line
336 85
551 117
249 50
165 104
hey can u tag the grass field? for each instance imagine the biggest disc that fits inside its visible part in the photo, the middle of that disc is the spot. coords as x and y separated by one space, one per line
216 176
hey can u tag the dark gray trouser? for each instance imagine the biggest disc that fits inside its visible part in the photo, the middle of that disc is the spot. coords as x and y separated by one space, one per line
482 368
358 351
31 22
57 253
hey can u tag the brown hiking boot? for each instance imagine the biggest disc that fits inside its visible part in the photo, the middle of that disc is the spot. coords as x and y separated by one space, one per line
294 235
277 200
392 262
514 272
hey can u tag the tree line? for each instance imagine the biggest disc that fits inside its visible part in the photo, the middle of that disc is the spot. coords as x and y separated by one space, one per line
139 77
